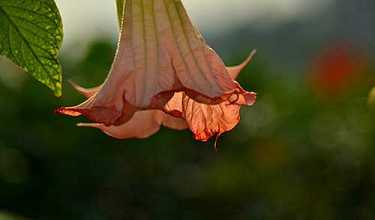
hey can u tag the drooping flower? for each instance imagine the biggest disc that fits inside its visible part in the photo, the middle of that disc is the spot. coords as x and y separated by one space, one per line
163 74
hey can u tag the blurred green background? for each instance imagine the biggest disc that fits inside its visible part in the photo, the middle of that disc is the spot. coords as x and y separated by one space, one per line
306 150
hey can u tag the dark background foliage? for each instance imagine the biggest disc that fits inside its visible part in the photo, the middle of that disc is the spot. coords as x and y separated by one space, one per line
304 151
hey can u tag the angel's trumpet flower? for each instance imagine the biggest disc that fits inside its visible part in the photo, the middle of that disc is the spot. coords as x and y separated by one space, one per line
164 73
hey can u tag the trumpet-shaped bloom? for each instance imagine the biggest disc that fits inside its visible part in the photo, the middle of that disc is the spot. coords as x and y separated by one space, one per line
164 73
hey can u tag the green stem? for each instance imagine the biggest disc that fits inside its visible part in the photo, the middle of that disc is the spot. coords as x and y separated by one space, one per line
120 10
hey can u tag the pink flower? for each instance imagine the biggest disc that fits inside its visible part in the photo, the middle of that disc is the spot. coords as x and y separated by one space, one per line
164 73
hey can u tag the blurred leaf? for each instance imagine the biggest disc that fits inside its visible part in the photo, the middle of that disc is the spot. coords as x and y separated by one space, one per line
371 98
6 216
31 35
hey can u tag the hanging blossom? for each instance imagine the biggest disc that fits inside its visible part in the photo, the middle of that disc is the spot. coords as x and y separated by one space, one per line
164 73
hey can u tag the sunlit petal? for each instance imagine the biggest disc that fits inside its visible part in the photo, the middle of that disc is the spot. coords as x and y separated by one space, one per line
163 73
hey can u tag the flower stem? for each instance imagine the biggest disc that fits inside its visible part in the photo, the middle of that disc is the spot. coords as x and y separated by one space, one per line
120 10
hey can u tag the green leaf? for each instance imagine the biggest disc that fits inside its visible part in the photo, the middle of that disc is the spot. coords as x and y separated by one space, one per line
31 34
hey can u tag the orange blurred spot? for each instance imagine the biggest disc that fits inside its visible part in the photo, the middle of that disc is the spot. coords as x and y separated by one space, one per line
337 69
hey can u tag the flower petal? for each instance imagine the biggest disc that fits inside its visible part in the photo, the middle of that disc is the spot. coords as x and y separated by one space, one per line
142 125
206 121
235 70
87 92
160 52
150 120
163 73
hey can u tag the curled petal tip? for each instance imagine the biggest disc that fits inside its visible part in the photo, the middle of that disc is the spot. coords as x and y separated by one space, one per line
75 86
251 98
90 125
249 58
71 82
68 112
253 53
87 92
234 71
